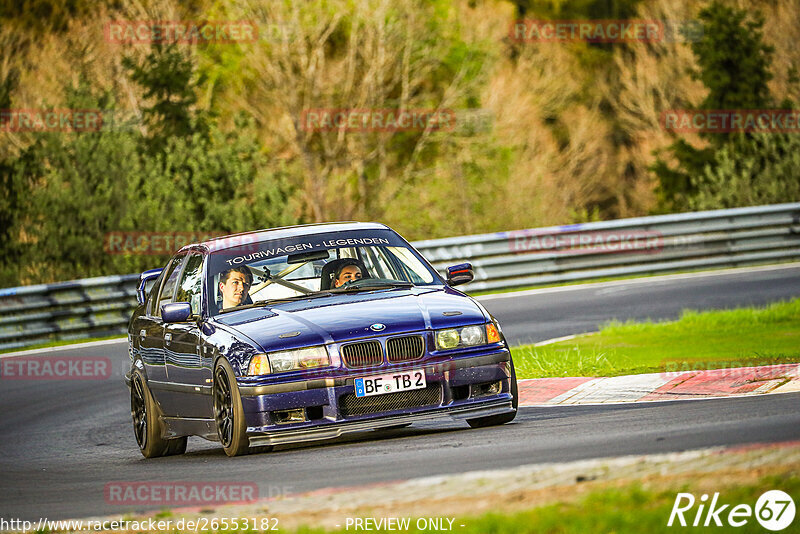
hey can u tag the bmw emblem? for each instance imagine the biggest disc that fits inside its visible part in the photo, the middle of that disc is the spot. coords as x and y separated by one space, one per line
377 327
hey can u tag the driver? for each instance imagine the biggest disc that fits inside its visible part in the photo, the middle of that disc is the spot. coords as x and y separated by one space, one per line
234 285
347 272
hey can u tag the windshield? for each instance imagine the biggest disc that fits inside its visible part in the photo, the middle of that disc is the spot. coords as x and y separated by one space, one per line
313 266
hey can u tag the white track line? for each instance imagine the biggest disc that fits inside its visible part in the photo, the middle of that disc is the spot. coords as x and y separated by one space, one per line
75 346
654 401
564 338
643 280
629 389
614 389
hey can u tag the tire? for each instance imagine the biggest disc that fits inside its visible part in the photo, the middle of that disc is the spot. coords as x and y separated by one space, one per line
503 418
228 411
147 426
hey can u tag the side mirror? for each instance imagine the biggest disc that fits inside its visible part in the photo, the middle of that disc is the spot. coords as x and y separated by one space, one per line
460 274
176 312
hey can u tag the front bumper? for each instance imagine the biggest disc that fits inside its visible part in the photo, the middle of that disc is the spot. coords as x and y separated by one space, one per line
459 387
334 430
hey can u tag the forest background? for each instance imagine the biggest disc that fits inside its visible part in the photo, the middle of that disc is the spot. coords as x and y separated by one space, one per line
209 137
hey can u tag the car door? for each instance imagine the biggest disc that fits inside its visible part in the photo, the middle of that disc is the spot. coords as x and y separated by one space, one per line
157 374
188 369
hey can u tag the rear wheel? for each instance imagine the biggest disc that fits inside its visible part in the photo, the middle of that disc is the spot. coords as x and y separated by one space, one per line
147 425
503 418
228 411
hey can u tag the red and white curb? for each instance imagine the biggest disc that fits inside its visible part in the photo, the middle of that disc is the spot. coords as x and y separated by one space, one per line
735 382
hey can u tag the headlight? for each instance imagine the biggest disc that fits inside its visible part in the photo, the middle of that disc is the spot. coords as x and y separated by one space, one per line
290 360
447 339
472 335
468 336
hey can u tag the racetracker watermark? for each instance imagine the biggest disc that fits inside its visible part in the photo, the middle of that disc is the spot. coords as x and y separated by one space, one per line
376 120
55 368
66 120
730 368
147 524
774 510
181 31
473 121
605 31
160 493
731 120
50 120
165 243
618 241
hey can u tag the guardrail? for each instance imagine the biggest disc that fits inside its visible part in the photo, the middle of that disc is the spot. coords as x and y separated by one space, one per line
642 245
92 307
505 260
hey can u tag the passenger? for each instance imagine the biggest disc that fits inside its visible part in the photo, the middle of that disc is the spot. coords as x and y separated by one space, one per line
234 285
347 273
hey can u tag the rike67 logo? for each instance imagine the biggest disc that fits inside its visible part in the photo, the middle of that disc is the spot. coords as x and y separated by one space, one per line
774 510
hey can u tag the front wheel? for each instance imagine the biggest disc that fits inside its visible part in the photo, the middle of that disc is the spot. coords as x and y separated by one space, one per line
147 426
503 418
228 411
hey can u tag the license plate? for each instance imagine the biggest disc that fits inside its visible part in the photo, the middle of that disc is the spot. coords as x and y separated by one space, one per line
390 383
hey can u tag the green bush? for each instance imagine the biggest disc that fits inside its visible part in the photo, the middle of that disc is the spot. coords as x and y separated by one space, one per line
734 65
753 170
70 190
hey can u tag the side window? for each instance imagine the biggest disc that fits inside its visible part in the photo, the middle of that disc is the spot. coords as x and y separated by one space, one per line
152 294
191 282
171 280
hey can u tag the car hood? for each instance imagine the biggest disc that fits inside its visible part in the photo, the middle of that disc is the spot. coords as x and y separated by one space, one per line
340 318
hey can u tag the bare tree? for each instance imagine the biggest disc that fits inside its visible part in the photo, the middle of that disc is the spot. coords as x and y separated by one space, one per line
365 55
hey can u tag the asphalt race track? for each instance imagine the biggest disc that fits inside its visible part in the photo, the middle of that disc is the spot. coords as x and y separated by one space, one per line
63 441
548 313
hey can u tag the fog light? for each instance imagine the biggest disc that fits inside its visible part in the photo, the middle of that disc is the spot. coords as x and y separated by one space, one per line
488 388
289 416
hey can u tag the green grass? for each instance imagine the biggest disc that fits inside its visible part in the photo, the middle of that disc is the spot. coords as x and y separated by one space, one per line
630 508
709 340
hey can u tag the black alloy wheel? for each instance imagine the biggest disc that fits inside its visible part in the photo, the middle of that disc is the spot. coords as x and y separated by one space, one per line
228 411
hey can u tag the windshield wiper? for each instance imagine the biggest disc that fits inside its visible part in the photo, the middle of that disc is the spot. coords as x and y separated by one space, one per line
294 298
371 285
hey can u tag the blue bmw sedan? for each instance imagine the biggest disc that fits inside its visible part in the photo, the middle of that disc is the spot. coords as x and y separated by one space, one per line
305 333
